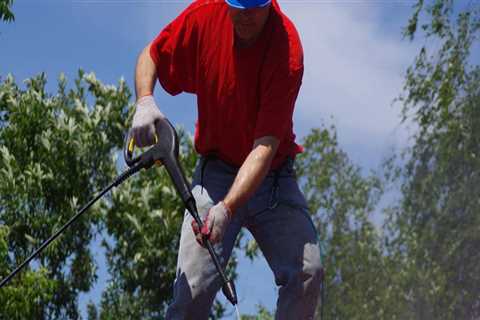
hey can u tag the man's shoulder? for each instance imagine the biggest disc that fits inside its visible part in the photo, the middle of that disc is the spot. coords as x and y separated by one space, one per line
287 40
287 27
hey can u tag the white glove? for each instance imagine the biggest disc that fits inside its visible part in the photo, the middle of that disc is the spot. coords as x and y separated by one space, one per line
143 124
214 225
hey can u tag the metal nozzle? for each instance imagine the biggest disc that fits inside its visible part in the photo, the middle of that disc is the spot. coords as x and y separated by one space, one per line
229 291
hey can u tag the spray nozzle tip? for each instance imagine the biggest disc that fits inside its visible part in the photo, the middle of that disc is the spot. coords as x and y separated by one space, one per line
228 290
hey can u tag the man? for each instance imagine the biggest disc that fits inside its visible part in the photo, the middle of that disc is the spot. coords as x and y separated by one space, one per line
244 61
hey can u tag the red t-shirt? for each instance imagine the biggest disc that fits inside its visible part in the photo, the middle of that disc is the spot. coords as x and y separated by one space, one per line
242 93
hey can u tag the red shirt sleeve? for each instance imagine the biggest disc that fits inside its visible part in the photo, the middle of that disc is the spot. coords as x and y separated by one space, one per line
281 79
174 53
277 103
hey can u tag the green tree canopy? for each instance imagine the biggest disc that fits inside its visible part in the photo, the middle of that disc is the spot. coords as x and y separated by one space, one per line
435 226
56 152
342 200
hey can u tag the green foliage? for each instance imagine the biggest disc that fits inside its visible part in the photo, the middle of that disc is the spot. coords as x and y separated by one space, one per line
56 153
17 301
435 226
262 314
342 200
5 11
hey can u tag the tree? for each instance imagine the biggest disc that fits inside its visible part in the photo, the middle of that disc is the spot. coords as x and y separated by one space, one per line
358 279
5 12
434 229
56 152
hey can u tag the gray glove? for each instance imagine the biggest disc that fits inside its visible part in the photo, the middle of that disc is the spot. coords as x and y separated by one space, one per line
143 124
214 225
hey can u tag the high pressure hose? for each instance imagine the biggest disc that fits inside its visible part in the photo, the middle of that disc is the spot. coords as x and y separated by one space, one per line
132 170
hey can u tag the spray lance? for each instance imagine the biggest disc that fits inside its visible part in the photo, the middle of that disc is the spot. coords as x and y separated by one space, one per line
165 152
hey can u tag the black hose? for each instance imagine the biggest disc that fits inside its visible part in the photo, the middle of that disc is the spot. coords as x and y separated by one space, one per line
115 183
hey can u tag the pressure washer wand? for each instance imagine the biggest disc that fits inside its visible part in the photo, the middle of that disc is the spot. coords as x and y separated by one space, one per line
165 152
132 170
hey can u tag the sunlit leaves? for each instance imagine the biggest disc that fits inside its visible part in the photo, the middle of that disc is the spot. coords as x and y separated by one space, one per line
56 152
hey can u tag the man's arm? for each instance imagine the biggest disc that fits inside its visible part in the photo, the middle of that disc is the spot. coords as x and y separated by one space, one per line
252 172
146 110
145 74
248 179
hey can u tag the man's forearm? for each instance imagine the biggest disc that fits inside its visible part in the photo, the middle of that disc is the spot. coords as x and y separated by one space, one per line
252 172
145 74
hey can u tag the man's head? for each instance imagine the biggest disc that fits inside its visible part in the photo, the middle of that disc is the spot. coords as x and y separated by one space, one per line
248 17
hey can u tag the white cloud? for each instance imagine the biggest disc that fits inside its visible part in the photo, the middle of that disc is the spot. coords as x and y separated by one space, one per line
354 68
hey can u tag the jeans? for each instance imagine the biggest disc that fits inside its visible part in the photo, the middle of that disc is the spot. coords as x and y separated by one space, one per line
277 217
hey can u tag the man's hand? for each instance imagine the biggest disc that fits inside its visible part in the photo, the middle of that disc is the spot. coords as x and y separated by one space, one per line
214 225
143 124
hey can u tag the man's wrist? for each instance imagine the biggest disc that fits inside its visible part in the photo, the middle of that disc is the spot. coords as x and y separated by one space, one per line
228 208
144 94
144 100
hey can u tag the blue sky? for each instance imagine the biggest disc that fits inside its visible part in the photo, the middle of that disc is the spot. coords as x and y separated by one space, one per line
355 60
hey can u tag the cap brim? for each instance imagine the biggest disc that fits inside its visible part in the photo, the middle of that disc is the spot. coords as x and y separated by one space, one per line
239 4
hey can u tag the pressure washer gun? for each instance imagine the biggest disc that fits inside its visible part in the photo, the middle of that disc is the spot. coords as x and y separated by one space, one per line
165 152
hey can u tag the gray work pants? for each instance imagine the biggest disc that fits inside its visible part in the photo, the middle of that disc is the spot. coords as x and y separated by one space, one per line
278 219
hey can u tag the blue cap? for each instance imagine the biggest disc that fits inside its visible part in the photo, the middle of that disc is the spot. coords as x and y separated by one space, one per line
247 4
